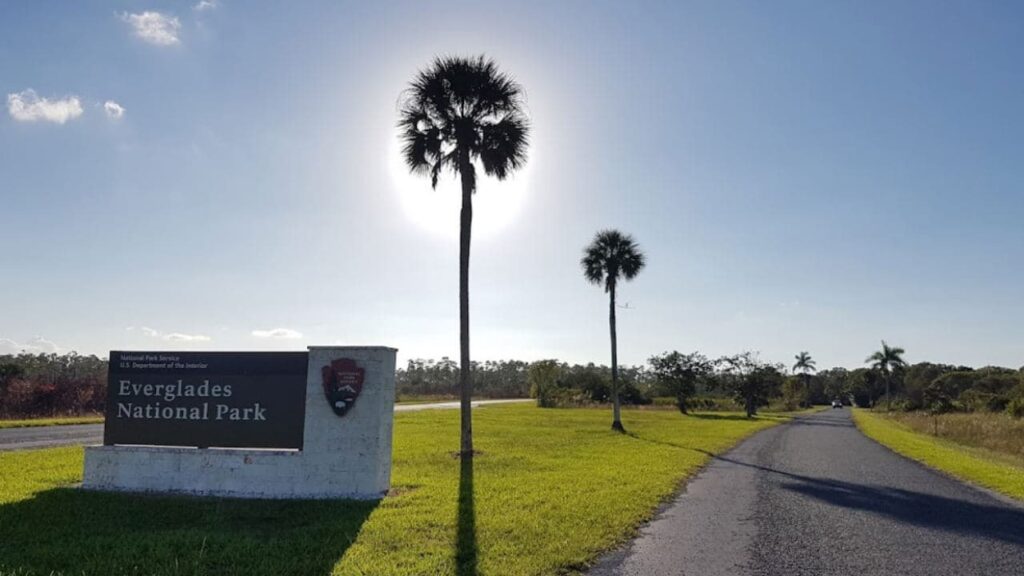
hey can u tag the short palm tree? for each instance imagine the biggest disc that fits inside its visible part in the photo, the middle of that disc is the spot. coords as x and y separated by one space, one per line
612 256
457 115
885 361
805 365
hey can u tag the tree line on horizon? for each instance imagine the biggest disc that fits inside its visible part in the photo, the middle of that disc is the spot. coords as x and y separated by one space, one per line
693 381
71 384
48 384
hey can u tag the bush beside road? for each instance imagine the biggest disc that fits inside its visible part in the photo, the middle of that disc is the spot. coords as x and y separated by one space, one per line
552 489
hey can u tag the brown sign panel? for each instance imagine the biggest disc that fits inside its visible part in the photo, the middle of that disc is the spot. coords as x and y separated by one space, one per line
206 399
343 381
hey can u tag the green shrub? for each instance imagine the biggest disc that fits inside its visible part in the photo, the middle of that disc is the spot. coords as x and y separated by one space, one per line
712 404
631 394
678 374
793 393
562 397
974 400
1015 407
543 377
938 397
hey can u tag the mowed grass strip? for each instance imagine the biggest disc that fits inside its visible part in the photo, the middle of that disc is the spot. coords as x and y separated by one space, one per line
98 418
992 471
63 421
551 490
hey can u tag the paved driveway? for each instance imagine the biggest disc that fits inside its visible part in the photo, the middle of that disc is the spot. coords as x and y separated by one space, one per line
817 497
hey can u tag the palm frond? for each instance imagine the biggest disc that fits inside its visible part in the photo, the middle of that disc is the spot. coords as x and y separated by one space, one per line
502 145
435 173
463 108
593 267
804 362
632 261
886 358
610 256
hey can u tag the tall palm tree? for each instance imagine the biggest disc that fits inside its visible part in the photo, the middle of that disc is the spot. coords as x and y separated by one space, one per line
461 114
805 365
612 256
885 361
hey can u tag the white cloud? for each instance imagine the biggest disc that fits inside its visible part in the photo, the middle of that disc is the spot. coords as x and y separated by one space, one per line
172 336
204 5
179 337
114 110
35 345
27 106
154 27
278 333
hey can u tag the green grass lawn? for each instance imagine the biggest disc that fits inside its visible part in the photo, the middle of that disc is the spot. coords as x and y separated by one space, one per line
63 421
427 398
552 489
991 470
98 418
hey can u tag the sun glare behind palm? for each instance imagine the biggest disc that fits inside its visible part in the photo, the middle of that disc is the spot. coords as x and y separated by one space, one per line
496 204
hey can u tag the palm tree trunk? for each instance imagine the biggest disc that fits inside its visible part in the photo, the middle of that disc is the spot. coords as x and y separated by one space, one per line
616 408
888 399
465 367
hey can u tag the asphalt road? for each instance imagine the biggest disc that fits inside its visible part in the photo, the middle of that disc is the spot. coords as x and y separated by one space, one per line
816 497
50 436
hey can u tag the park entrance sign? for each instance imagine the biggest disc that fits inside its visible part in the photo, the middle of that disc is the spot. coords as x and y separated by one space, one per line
314 424
206 399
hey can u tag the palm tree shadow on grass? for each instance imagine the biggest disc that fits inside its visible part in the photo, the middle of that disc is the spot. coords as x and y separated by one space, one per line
72 531
636 436
713 416
465 545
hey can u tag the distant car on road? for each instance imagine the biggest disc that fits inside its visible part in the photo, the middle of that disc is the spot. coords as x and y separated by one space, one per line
837 404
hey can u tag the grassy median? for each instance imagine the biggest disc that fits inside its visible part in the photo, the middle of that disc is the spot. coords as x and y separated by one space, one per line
62 421
98 418
552 489
992 470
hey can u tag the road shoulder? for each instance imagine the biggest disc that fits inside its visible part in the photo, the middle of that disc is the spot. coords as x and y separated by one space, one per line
997 478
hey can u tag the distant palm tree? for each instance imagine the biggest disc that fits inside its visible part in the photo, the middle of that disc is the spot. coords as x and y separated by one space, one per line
457 114
885 361
610 257
805 365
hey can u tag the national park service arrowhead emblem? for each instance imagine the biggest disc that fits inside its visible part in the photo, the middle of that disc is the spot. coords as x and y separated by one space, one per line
343 381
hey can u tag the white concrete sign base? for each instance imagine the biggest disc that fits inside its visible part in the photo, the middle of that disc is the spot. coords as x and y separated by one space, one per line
342 457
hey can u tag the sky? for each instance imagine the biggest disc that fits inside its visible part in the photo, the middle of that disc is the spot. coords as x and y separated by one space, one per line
224 175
